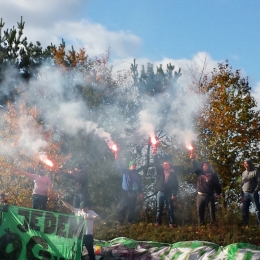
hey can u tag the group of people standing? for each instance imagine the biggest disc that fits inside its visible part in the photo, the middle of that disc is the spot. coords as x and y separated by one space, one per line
167 189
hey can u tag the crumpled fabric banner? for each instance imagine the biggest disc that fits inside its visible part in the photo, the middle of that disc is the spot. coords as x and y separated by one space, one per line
125 248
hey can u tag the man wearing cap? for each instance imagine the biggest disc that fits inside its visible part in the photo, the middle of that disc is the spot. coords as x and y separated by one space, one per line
80 177
250 187
131 185
42 184
90 216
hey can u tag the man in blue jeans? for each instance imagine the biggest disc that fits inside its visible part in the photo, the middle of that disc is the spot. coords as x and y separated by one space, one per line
167 188
249 191
131 188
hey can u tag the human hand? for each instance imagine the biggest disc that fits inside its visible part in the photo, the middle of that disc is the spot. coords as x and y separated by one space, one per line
141 196
16 171
192 155
172 197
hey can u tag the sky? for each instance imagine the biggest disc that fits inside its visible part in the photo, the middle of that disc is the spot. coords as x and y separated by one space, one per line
186 33
177 31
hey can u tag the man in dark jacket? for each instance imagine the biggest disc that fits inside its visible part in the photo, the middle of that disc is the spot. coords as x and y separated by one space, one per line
207 185
167 188
80 177
250 187
131 185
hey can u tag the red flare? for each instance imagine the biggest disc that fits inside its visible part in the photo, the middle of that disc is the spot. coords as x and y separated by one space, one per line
192 151
153 140
190 147
46 161
114 148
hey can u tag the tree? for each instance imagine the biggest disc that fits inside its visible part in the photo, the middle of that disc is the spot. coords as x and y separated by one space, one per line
228 127
112 103
24 140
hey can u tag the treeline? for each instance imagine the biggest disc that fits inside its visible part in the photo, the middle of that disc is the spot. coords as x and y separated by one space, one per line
68 106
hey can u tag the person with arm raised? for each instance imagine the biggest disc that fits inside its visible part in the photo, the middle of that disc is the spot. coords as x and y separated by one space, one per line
42 186
167 188
208 185
90 216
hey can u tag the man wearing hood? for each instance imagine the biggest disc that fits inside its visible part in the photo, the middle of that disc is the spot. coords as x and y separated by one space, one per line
80 177
249 190
207 185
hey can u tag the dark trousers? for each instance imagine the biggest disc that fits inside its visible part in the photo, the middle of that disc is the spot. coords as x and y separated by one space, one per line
88 241
204 201
39 202
160 199
247 199
128 203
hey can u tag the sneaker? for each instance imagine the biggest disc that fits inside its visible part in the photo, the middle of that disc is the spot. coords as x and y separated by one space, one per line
156 225
171 226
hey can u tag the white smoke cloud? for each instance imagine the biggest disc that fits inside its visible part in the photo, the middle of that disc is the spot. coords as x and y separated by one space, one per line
256 93
31 143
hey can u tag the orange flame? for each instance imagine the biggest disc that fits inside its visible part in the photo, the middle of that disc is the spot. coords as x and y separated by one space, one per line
48 162
153 140
45 160
114 148
190 147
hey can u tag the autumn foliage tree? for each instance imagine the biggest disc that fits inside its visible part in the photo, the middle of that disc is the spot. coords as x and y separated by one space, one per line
24 140
227 123
227 126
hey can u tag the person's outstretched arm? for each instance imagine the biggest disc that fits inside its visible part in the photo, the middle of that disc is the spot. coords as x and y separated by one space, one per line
66 204
21 172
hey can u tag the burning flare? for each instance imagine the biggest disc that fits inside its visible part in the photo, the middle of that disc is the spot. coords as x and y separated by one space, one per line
45 160
153 140
190 147
154 143
114 148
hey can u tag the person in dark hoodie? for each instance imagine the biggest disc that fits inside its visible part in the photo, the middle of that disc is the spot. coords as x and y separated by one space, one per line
80 177
250 187
207 185
167 188
131 187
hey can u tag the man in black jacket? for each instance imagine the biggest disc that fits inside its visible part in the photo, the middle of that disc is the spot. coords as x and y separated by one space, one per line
167 188
207 185
80 177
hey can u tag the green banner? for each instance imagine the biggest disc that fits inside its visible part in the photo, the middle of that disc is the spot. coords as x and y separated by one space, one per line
29 234
126 248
